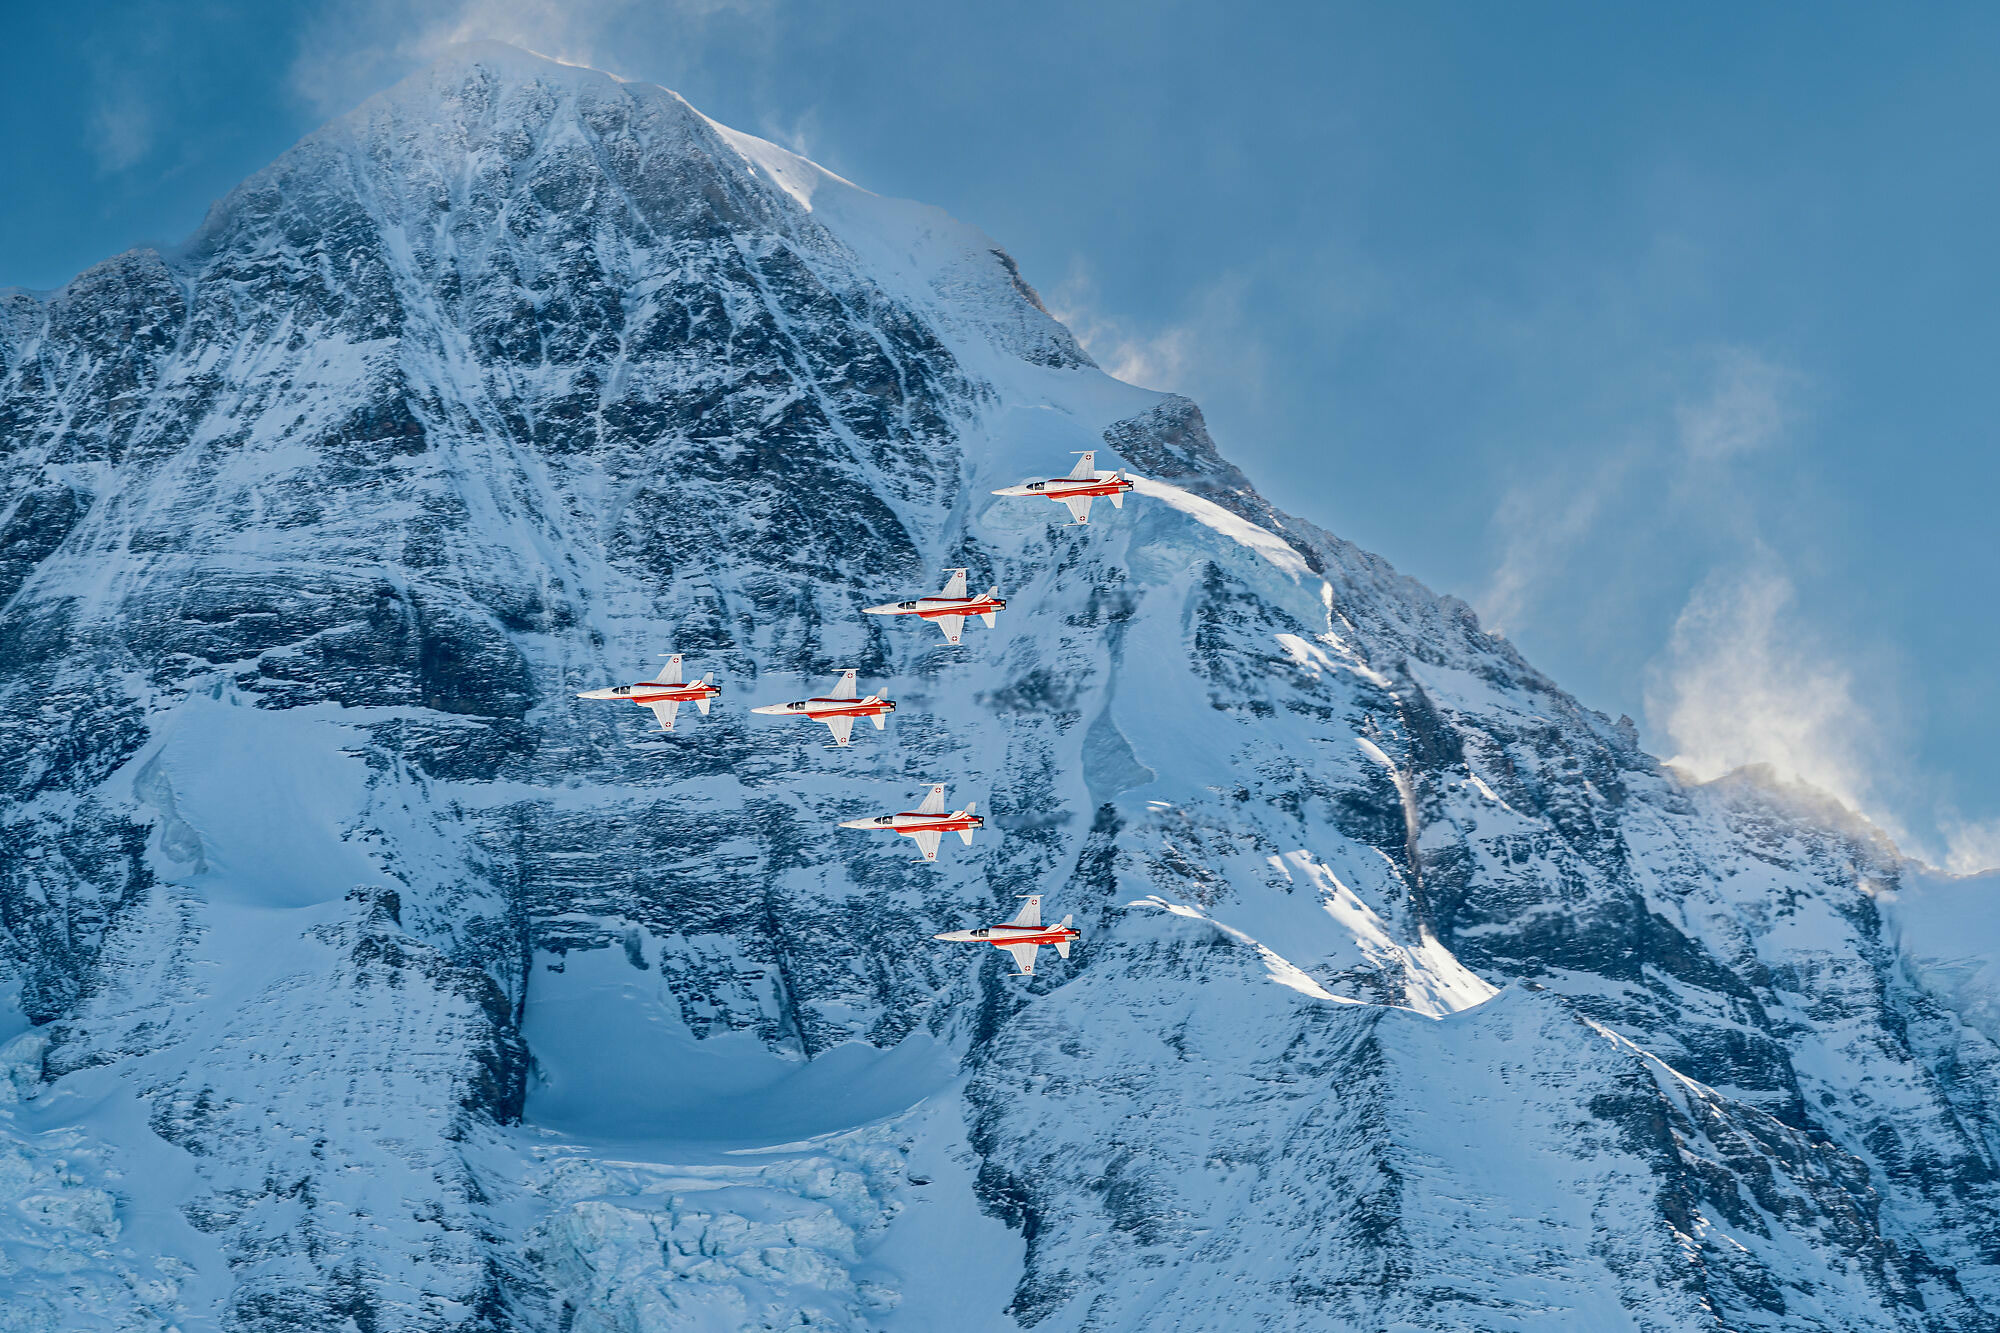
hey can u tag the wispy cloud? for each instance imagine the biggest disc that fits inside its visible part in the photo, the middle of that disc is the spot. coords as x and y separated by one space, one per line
130 95
1542 525
1970 846
1745 406
121 126
1210 343
342 58
799 132
1735 402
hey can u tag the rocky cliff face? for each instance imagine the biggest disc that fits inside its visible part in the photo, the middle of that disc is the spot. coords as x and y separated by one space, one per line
364 978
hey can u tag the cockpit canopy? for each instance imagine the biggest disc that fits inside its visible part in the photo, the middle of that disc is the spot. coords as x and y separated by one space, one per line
796 703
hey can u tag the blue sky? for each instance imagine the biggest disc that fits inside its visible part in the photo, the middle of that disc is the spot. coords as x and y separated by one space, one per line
1663 335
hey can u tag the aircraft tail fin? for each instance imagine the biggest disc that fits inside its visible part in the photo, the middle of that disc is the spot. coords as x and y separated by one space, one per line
703 704
1062 946
881 720
1118 497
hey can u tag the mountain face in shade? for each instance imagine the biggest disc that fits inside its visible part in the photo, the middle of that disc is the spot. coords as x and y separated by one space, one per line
358 976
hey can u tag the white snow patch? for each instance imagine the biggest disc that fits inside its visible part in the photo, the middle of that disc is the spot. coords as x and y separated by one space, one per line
269 797
1374 751
1239 530
1308 655
1282 971
1435 982
614 1061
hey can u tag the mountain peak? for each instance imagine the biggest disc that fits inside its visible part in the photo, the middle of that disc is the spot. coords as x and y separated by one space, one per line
444 79
505 63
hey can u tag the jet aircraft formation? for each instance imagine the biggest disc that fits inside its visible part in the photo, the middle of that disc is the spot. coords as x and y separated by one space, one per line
948 609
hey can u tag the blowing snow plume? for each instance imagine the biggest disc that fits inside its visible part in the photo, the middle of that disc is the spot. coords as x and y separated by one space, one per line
1743 686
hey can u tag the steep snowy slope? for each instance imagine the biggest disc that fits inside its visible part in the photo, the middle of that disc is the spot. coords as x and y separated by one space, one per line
365 978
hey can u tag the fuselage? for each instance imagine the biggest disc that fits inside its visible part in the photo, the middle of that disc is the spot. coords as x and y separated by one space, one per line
909 821
656 692
1002 936
829 708
1072 488
930 608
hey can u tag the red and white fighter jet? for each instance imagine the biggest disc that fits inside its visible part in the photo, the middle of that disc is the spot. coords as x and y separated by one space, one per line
927 824
947 609
1083 484
838 710
1022 936
664 697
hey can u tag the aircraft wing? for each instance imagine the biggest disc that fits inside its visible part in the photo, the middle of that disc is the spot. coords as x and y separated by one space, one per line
1031 912
1086 466
666 712
844 687
933 801
927 842
955 585
953 627
1024 957
1079 507
842 727
673 676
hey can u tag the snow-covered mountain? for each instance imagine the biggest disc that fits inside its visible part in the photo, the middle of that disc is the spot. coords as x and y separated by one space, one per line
360 977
